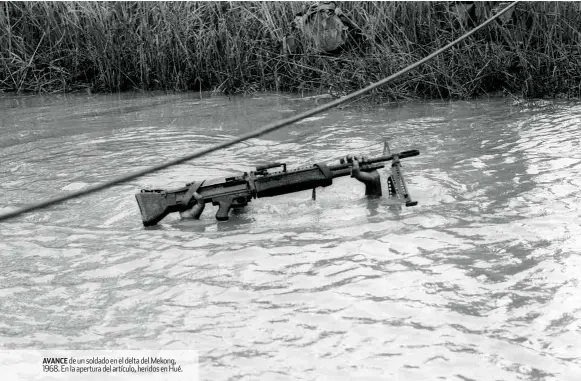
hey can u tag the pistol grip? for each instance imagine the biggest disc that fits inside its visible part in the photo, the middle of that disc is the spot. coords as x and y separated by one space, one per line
224 204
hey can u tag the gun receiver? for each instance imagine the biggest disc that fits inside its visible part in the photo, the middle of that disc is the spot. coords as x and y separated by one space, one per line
238 191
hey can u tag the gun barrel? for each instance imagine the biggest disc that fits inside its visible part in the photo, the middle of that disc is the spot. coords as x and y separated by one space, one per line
364 168
401 155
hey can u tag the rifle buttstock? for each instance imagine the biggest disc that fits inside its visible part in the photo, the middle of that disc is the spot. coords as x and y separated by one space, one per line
153 207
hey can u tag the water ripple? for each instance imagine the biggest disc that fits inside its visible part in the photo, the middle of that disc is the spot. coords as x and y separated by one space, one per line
478 282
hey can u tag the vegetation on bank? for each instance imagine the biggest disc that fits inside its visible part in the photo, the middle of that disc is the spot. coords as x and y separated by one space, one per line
235 47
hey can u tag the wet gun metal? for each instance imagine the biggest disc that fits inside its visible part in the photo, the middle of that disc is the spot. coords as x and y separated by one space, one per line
238 191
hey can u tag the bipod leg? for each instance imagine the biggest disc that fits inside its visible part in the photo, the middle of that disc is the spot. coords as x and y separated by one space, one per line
391 187
399 182
391 191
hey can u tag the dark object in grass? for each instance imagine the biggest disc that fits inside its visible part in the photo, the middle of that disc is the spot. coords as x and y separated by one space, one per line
324 28
68 46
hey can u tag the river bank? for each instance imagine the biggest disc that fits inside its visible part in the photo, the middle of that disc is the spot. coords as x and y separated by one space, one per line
235 48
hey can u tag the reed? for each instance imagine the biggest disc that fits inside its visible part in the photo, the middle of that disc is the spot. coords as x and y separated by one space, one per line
233 47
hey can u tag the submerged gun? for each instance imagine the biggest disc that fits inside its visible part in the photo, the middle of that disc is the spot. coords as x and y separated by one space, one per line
238 191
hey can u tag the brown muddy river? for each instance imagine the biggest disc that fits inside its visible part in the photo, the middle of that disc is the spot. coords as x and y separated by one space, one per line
480 281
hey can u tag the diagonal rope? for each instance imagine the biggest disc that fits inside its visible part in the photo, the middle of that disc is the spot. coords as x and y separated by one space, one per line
262 131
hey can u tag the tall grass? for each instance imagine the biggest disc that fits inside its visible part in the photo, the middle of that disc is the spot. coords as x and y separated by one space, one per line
233 47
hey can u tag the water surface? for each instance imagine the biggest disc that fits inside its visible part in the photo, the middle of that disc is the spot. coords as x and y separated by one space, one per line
480 281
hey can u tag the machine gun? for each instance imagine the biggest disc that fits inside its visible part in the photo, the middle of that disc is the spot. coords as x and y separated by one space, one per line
238 191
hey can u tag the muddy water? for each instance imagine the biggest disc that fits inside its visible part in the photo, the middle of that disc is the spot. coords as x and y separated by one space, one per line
480 281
